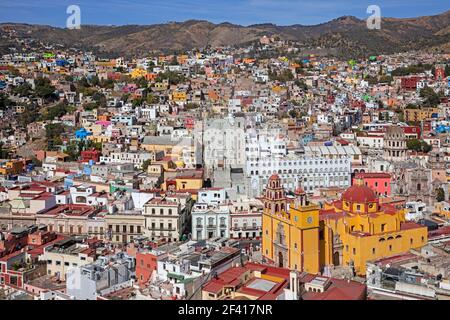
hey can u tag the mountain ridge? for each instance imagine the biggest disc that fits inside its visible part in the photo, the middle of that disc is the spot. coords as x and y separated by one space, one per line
346 35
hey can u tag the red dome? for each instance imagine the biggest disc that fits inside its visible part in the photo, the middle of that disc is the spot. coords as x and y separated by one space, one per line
274 177
361 194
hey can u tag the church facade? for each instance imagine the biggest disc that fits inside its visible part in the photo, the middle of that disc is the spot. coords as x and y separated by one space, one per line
290 231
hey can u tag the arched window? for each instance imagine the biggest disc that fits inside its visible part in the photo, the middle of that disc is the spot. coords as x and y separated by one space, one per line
80 199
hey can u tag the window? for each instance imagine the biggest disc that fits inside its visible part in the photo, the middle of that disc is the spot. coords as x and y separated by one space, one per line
354 251
373 250
58 263
383 227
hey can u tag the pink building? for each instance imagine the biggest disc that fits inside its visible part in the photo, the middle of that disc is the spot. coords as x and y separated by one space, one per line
379 182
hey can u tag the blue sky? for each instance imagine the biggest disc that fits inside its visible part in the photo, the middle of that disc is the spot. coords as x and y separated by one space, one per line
245 12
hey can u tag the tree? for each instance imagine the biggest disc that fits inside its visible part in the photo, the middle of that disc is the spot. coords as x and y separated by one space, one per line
107 84
43 88
30 115
73 152
173 77
4 101
418 145
413 69
53 133
151 99
23 90
95 81
83 82
301 84
431 98
138 102
57 111
174 61
191 106
4 154
36 162
440 195
145 164
141 82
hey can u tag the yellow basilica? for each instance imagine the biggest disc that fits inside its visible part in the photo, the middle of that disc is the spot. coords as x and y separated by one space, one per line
348 232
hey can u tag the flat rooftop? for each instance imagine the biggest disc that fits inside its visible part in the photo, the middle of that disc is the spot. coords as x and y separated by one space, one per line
262 284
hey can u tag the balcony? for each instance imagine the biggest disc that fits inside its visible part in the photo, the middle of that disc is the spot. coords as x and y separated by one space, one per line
199 226
211 226
247 228
162 229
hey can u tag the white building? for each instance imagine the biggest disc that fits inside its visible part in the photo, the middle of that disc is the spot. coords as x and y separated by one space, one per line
137 158
210 221
164 218
223 142
212 196
311 172
246 219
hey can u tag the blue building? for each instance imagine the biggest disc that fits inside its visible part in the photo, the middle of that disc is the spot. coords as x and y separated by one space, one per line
82 134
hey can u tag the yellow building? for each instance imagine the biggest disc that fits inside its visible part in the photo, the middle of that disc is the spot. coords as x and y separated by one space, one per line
357 229
179 96
349 232
290 234
442 209
416 115
11 167
188 180
138 73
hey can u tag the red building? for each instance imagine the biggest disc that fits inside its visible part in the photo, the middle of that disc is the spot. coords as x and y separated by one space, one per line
146 263
189 122
379 182
440 73
412 132
410 83
88 155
